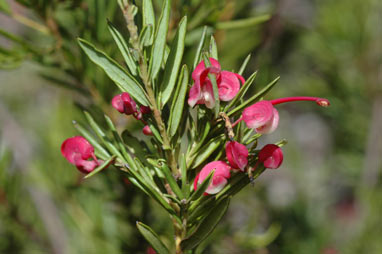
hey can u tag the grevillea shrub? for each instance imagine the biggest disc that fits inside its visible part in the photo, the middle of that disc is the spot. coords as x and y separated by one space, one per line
197 152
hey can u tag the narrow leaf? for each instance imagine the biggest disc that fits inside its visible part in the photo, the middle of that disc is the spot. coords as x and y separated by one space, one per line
152 238
242 23
244 65
254 97
206 226
183 170
101 167
200 47
171 181
148 13
207 150
178 102
158 48
173 62
213 48
123 47
123 80
146 36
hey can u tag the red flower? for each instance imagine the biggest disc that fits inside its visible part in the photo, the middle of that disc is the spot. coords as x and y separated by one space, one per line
262 117
147 131
237 155
271 156
202 92
124 104
77 150
219 179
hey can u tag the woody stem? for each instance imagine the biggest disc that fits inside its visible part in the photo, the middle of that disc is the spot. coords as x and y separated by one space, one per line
133 31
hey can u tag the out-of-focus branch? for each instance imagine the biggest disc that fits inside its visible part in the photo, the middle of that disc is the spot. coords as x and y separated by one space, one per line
22 147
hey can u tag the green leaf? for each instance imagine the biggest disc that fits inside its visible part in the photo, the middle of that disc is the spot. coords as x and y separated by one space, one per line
148 13
242 91
171 181
213 48
119 141
173 62
152 238
202 187
207 150
159 46
206 226
254 98
198 52
146 36
244 65
178 102
242 23
156 133
101 167
123 80
102 136
183 170
123 47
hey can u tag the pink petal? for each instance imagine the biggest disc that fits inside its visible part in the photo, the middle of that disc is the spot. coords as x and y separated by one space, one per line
76 148
237 155
219 179
271 155
229 85
130 107
258 114
86 166
271 125
118 104
207 95
201 67
194 94
217 185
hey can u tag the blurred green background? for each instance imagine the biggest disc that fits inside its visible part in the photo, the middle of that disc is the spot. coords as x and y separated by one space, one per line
327 196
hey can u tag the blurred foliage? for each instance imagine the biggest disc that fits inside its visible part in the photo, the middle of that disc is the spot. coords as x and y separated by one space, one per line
317 203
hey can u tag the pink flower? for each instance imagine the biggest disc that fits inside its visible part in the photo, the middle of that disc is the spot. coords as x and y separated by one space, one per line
219 179
77 150
237 155
124 104
202 91
262 117
271 156
147 131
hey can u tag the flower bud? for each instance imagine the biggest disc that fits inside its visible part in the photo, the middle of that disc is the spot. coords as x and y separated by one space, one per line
147 131
219 179
237 155
124 104
271 156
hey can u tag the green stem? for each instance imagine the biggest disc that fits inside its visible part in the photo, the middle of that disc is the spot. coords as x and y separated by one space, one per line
134 38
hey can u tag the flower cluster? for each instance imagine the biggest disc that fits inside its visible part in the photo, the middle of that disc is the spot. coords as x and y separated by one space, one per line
126 105
262 116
